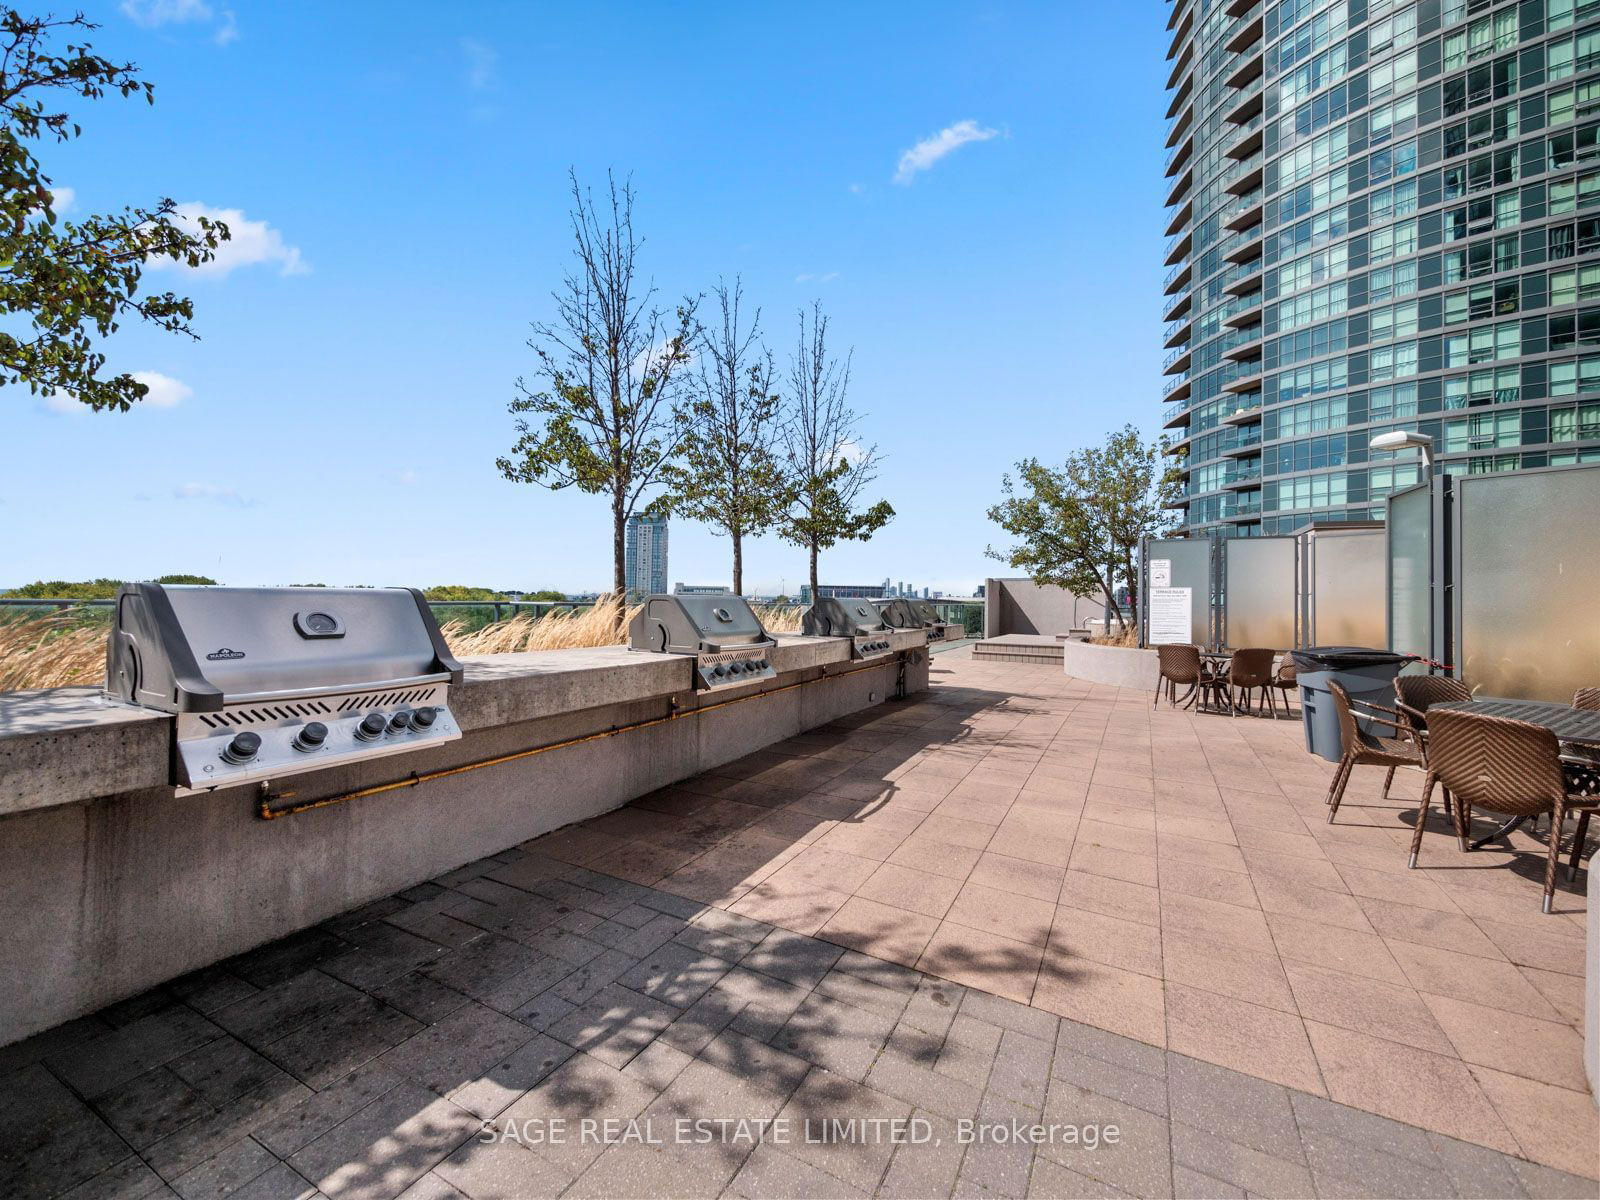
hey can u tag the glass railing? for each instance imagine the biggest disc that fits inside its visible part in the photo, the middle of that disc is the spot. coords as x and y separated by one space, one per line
1172 328
1173 274
1174 241
1174 384
1180 352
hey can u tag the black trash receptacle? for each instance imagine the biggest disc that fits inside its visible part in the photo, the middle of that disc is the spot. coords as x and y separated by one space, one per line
1367 674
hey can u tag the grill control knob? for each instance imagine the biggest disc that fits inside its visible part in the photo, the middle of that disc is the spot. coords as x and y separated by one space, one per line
761 664
423 718
311 736
719 670
400 722
242 748
371 727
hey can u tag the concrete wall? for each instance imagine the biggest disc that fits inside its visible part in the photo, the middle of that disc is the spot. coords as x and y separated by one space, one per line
1022 606
1591 989
1117 666
110 889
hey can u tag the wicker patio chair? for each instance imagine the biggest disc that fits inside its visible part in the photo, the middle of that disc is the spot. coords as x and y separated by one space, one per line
1363 749
1504 766
1249 670
1285 681
1181 664
1587 698
1413 695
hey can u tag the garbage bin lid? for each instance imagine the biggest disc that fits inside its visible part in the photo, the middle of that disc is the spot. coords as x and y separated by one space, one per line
1332 658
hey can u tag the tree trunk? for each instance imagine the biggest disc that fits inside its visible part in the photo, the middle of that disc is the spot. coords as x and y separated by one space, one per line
738 564
814 572
619 550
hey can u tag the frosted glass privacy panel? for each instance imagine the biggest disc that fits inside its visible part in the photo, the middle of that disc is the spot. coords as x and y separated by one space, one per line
1410 549
1259 592
1189 566
1347 570
1528 582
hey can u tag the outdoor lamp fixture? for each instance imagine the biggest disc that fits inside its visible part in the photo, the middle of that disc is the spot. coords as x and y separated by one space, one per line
1399 439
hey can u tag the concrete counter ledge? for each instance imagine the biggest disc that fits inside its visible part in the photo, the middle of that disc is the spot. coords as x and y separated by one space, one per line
111 883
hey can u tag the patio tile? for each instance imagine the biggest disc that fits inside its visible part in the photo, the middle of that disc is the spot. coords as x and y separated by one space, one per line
1104 996
1247 1111
908 888
974 835
1111 897
1245 1037
1385 1010
982 960
1339 949
1002 913
1547 1051
880 929
804 910
1082 933
1429 927
1225 968
1019 876
936 858
1554 1125
1468 977
1423 1089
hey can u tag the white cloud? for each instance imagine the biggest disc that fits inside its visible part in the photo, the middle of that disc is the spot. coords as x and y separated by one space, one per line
62 199
165 391
250 242
64 402
216 495
858 189
809 277
930 150
483 63
228 32
151 13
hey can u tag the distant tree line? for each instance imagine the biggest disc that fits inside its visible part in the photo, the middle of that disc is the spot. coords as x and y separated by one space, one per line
661 414
89 589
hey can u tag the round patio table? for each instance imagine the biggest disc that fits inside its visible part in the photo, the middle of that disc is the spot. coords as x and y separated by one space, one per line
1579 727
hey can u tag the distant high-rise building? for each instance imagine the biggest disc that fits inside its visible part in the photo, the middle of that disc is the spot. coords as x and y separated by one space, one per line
1383 216
645 550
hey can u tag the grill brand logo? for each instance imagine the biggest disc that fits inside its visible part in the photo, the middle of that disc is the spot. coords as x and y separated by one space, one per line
224 655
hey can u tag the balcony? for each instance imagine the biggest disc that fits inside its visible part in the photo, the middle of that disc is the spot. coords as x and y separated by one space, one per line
1185 179
1248 315
1248 249
1238 8
1245 476
1246 510
1179 126
1184 29
1177 389
1248 406
1243 215
1248 380
1176 418
1180 97
1185 61
1245 108
1248 71
1176 307
1176 332
1180 217
1246 35
1176 278
1249 143
1249 442
1179 155
1246 351
1177 361
1248 280
1249 177
1178 247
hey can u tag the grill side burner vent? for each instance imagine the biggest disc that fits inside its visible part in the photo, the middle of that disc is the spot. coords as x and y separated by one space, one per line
857 620
266 682
723 634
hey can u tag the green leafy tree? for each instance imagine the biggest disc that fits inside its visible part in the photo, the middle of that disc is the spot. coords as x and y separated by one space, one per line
455 591
727 474
1080 525
67 284
598 415
545 594
91 589
826 468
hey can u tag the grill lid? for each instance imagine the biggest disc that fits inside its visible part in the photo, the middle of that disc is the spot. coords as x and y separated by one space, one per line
195 649
832 617
898 614
696 625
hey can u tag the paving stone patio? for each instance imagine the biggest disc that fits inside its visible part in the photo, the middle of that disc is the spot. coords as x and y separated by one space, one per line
1017 898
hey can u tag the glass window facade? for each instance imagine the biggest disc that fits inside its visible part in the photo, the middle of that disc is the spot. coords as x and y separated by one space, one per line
1384 215
645 554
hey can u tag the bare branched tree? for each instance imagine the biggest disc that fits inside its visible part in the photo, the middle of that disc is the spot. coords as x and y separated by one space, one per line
727 474
599 414
827 468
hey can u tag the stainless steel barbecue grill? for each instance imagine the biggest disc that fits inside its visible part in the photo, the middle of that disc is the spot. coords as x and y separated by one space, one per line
897 614
266 682
928 615
721 632
857 620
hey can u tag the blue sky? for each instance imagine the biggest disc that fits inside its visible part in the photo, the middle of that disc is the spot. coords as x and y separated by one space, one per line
401 170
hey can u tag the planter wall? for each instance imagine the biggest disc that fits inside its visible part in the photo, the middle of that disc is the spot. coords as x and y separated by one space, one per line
1115 666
